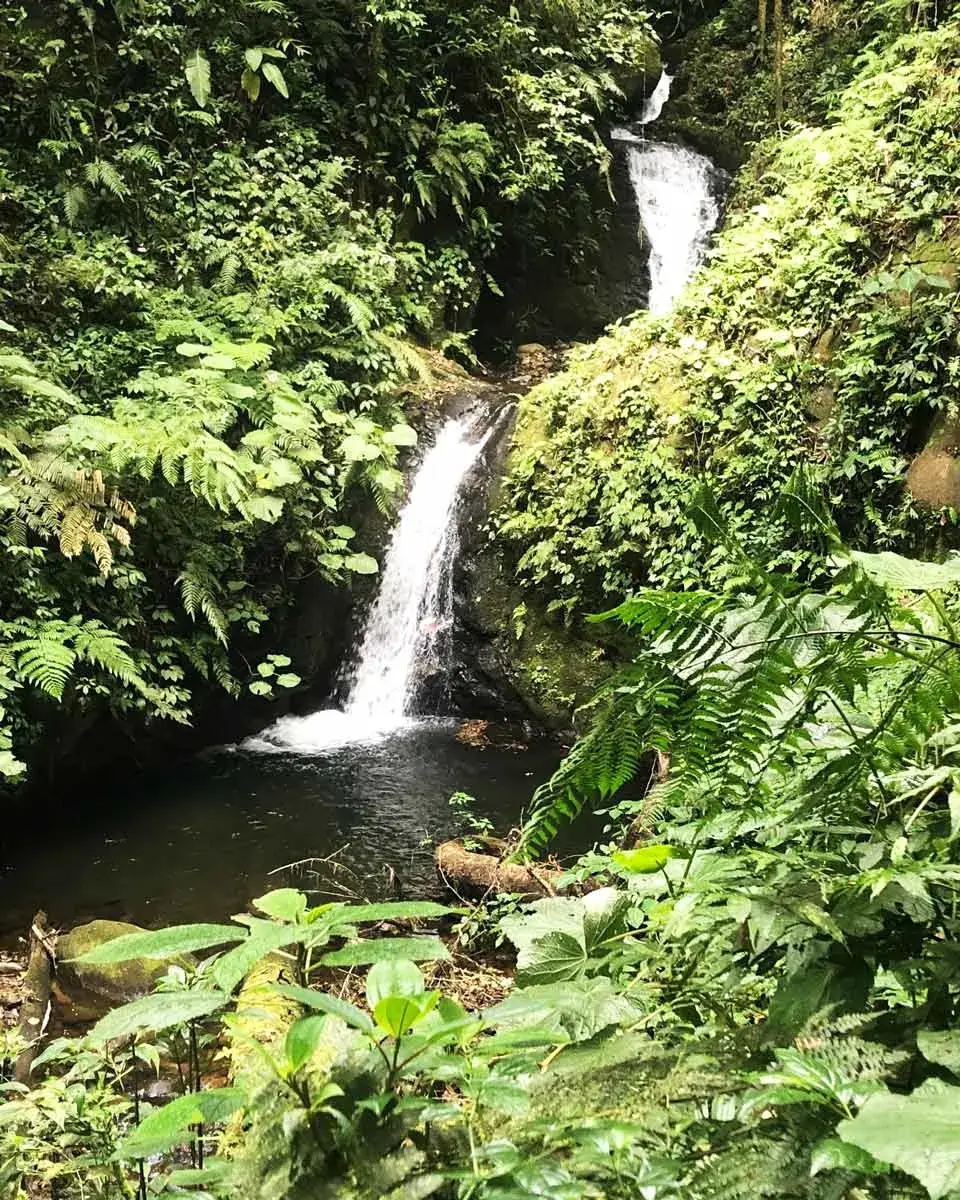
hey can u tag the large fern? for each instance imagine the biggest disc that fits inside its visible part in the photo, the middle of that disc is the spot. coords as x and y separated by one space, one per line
726 686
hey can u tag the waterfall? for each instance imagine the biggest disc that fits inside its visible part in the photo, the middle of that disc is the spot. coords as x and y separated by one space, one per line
410 621
675 191
653 106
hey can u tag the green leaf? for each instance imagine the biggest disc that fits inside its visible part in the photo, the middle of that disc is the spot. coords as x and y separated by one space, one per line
325 1003
288 680
834 1155
197 71
399 977
218 362
941 1047
605 916
158 1011
361 564
394 910
264 938
580 1009
272 72
397 1016
355 448
253 57
376 950
284 904
908 574
645 860
166 1126
401 435
162 943
919 1133
552 959
302 1040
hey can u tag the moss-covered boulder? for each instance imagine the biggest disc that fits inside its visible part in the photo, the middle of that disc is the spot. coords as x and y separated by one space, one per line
86 991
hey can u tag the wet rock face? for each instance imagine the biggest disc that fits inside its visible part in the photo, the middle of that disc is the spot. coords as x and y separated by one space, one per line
86 992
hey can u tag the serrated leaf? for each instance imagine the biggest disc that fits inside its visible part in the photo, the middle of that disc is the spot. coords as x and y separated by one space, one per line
166 1126
197 71
284 904
375 950
552 959
395 910
941 1047
396 978
158 1011
264 938
919 1133
322 1002
302 1040
162 943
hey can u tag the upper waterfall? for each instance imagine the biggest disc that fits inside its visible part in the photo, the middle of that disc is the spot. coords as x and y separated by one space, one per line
653 106
675 192
411 618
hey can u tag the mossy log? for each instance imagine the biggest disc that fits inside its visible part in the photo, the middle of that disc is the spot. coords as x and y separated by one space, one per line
473 875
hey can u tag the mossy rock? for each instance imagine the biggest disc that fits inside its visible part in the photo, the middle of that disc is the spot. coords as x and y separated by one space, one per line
87 991
934 476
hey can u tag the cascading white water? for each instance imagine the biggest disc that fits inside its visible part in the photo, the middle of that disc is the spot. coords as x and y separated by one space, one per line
412 613
653 106
674 190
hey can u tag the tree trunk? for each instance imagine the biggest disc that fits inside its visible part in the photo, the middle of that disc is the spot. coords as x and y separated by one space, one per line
36 1000
473 876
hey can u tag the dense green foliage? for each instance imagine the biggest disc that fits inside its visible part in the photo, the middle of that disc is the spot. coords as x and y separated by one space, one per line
822 333
222 227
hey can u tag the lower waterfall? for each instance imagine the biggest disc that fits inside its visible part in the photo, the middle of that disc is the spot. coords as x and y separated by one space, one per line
410 622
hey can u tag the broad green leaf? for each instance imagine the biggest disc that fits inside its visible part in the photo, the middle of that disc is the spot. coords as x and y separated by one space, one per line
218 362
644 860
551 959
162 943
398 978
284 904
272 72
395 910
158 1011
605 916
197 71
375 950
361 564
302 1039
919 1133
254 57
941 1047
325 1003
401 435
166 1126
832 1154
398 1015
264 938
908 574
579 1008
357 449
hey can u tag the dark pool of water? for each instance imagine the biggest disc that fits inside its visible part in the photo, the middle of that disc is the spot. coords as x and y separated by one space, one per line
200 843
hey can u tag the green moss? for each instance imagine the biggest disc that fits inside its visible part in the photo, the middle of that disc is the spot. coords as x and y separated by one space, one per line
93 989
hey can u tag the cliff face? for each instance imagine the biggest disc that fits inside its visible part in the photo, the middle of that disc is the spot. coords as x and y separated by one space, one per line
820 336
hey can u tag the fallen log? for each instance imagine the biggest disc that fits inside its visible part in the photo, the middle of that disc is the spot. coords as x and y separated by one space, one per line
36 999
473 875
